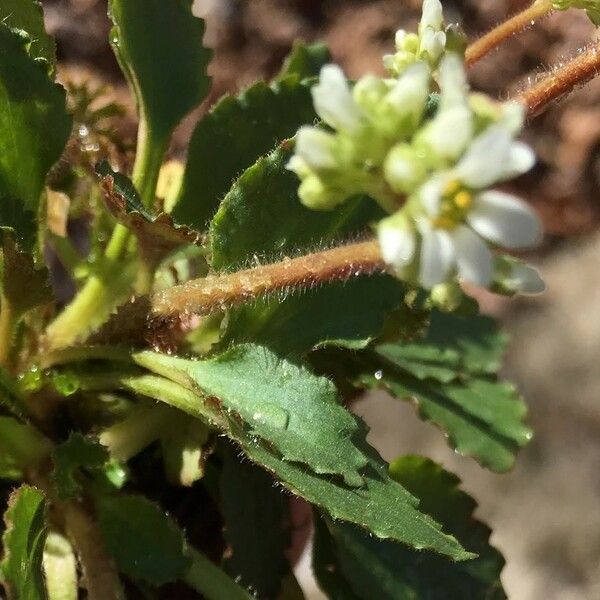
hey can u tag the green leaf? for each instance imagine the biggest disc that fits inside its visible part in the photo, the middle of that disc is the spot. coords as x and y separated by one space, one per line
21 448
262 217
482 417
240 129
386 570
283 404
380 505
28 15
159 47
10 396
23 286
23 540
34 128
349 314
145 542
305 60
78 452
254 511
14 216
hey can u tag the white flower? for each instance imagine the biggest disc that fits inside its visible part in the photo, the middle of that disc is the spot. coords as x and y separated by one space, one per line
432 16
458 218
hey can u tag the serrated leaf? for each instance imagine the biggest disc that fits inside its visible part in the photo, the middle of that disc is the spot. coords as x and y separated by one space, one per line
239 129
482 417
23 542
254 512
281 403
159 47
23 286
380 505
158 234
262 216
28 15
78 452
305 61
34 128
386 570
21 221
348 314
144 541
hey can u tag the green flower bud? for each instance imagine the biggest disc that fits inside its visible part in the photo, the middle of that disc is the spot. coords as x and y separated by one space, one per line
404 169
314 194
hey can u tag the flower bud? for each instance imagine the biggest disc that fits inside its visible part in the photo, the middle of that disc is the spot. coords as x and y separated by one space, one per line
404 169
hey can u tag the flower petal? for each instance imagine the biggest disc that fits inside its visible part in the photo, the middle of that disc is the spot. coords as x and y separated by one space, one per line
524 279
397 243
450 131
334 102
474 258
453 82
433 15
437 256
492 157
316 148
505 220
430 195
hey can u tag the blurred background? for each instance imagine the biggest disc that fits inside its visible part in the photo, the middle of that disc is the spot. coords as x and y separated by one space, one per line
546 513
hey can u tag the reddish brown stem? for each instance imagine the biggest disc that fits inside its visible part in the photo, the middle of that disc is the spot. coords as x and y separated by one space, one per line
203 296
561 81
512 26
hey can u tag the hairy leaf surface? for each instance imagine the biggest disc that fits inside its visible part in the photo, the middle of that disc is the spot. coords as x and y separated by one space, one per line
283 404
23 542
262 217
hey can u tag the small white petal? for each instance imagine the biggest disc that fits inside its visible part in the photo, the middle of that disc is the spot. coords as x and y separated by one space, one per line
524 279
521 159
316 148
453 81
474 258
397 244
401 35
450 132
430 195
485 160
334 102
505 220
492 157
437 256
433 15
433 43
409 95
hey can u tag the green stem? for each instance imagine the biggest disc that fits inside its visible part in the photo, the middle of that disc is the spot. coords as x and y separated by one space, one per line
213 583
97 297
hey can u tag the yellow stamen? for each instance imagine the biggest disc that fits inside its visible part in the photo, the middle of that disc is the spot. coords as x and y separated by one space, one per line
463 200
451 188
442 222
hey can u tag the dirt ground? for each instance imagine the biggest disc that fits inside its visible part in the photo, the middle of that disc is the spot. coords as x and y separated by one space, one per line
545 514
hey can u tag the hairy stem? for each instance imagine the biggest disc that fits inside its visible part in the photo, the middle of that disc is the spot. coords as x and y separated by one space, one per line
7 327
203 296
561 80
512 26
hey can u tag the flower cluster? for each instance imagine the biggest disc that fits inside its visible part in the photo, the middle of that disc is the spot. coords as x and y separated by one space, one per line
428 151
429 44
591 7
